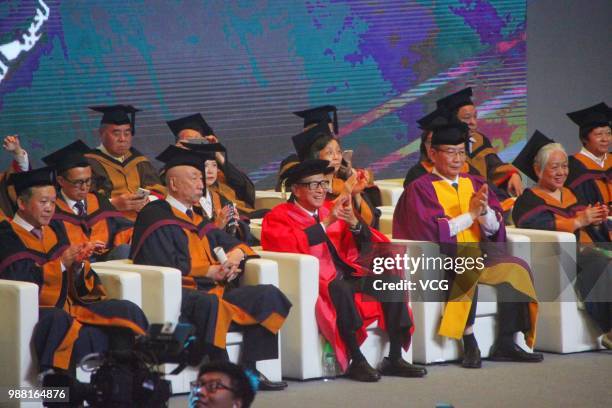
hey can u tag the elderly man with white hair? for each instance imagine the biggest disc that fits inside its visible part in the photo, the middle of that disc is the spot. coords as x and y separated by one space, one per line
549 205
172 232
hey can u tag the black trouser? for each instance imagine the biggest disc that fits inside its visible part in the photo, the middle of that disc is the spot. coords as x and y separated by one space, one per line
594 282
342 291
200 309
512 311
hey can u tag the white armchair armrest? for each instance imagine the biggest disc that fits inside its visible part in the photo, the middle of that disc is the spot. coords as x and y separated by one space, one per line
121 284
160 285
18 316
260 272
300 345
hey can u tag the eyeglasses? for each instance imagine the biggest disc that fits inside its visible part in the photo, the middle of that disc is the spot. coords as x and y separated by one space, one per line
315 185
452 152
211 387
80 183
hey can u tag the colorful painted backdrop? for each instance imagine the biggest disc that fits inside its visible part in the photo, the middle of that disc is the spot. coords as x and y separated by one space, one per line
247 64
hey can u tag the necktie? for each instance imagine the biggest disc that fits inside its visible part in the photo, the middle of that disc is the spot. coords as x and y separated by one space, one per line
80 206
37 232
189 213
316 217
456 186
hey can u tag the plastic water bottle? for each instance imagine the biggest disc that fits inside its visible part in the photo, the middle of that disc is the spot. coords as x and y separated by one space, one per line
329 362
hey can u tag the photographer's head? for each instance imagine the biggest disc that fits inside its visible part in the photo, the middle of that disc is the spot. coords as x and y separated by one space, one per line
222 384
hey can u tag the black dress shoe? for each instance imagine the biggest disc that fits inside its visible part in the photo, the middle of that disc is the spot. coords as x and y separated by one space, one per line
606 341
471 358
401 368
514 353
361 370
267 385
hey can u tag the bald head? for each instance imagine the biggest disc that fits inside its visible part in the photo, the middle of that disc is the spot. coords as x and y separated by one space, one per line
185 184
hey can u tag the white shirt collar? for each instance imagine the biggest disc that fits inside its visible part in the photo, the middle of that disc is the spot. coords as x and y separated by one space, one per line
177 204
449 181
22 223
106 152
70 202
206 203
312 214
600 162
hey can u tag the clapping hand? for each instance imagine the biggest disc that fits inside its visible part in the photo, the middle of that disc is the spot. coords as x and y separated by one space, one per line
479 202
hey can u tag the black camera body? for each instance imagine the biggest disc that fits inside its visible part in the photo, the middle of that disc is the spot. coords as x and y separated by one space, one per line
129 378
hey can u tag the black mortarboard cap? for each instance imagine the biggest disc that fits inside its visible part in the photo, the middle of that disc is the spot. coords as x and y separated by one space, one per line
117 115
206 150
438 117
524 160
175 156
195 122
449 134
454 101
592 117
287 163
306 168
40 177
304 140
318 115
68 157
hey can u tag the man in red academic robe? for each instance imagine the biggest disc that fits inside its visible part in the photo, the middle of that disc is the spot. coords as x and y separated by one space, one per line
309 224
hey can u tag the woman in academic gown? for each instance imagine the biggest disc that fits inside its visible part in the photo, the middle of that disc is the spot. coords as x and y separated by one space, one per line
590 170
551 206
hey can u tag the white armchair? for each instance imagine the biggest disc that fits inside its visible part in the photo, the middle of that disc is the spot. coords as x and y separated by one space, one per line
162 303
267 199
563 325
390 191
19 315
255 226
301 344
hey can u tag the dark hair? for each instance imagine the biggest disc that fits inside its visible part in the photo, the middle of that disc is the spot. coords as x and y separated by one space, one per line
26 194
584 132
322 139
64 172
240 383
422 148
455 112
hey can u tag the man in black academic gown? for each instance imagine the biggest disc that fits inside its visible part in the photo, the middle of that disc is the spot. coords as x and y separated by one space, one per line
171 233
86 216
120 171
74 317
